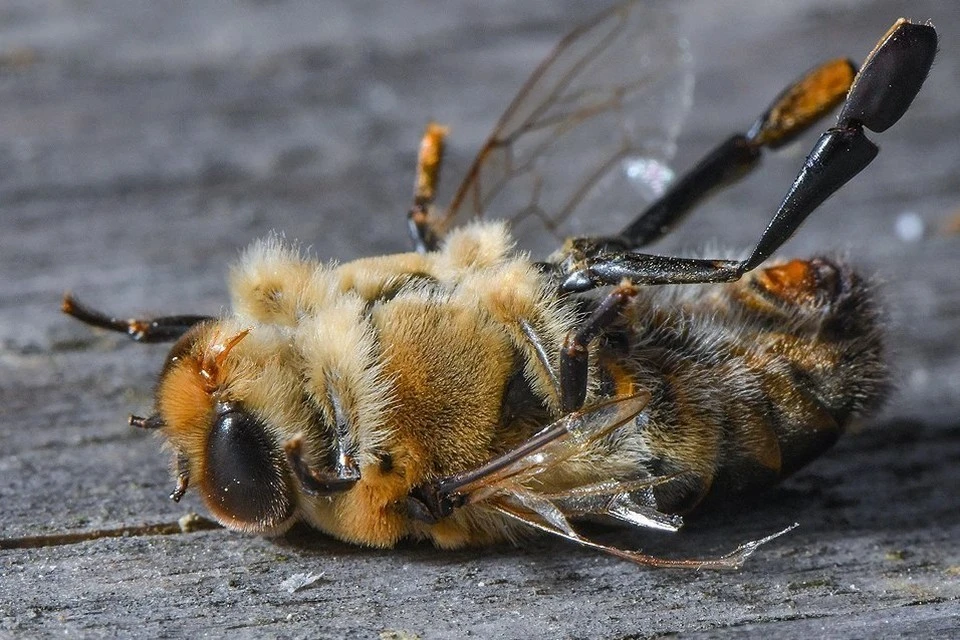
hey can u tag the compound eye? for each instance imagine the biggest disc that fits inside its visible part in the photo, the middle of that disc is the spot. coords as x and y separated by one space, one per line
246 481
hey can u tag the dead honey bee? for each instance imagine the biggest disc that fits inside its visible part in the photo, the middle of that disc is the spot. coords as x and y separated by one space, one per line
466 394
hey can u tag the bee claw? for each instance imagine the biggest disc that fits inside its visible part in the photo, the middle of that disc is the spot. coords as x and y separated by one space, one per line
313 481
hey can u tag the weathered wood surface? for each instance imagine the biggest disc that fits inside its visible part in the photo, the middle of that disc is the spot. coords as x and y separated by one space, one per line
143 144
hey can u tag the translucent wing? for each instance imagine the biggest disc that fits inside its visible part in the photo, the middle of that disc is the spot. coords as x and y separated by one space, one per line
508 485
509 479
585 144
540 513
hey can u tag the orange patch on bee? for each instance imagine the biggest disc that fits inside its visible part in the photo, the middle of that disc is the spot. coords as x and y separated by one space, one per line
623 382
186 406
428 162
373 512
440 358
793 281
806 101
187 393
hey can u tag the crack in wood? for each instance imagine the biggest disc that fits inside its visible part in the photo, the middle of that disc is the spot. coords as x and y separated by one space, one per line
189 523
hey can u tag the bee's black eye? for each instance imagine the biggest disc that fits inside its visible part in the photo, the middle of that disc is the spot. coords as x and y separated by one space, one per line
246 479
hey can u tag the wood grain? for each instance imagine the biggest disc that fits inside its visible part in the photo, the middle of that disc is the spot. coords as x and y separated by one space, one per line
142 145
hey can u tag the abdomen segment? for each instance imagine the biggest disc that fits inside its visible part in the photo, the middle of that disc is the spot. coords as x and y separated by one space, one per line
754 379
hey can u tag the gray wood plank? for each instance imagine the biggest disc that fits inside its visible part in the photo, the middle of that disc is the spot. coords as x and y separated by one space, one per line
142 146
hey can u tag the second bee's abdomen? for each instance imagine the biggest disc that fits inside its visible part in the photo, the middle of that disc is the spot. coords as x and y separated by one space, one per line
752 380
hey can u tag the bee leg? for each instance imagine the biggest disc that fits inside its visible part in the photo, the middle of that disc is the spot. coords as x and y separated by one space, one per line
152 423
429 160
317 482
891 75
881 92
575 355
163 329
792 112
183 478
540 351
436 499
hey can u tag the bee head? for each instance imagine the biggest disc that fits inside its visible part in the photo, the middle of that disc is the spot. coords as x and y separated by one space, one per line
225 445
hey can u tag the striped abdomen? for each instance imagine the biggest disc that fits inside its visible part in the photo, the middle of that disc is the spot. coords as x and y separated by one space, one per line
751 380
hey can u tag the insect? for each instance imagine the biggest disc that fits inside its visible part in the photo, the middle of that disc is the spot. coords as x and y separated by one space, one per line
465 394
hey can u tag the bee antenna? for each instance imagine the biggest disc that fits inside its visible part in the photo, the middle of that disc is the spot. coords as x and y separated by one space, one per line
162 329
